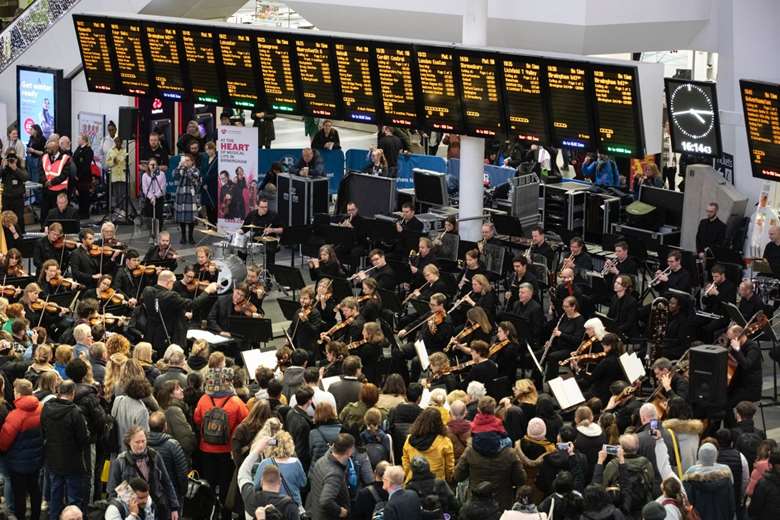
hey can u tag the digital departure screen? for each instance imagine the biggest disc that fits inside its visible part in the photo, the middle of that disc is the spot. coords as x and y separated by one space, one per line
166 62
440 97
569 105
523 99
618 119
92 36
353 65
277 73
201 64
316 77
239 76
761 106
133 72
482 110
396 90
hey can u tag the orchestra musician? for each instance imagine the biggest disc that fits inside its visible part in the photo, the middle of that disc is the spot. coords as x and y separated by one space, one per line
11 228
594 334
478 327
530 311
673 384
423 257
434 328
482 369
623 309
440 374
370 351
408 221
167 311
714 297
47 278
678 278
622 264
205 268
351 320
578 258
354 220
62 210
327 265
105 294
162 251
325 302
256 285
433 284
488 232
370 301
749 302
747 379
188 280
539 246
566 336
772 249
108 238
382 273
506 350
563 290
36 312
473 266
678 329
130 279
306 325
335 352
520 274
83 266
711 232
482 295
52 247
606 371
445 244
270 224
11 265
235 304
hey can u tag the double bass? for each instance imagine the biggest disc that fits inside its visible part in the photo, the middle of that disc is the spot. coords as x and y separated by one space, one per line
754 327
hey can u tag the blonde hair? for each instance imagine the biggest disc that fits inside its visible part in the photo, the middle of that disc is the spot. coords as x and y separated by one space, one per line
113 370
63 354
132 369
143 353
438 396
456 395
42 355
372 418
117 343
525 391
583 415
216 360
200 348
285 447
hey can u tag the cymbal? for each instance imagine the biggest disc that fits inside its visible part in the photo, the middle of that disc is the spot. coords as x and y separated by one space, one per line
205 222
212 233
252 226
266 239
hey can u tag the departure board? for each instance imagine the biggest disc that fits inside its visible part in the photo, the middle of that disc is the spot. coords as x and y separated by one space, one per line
316 77
277 73
201 64
618 119
396 91
761 107
133 72
482 110
523 99
569 105
163 48
92 36
239 76
353 67
440 97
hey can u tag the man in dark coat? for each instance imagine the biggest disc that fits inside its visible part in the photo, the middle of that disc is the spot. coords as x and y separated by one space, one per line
711 232
219 316
348 388
166 310
298 424
170 450
329 496
402 504
83 267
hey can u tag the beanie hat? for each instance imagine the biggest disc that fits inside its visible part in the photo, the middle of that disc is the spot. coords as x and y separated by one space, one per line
537 429
420 465
653 511
708 454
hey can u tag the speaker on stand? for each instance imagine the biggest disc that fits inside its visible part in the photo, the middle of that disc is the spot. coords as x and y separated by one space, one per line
708 382
124 210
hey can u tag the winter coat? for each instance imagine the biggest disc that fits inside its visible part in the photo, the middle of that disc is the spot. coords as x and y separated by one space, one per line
759 468
459 433
88 401
558 461
292 381
320 439
589 441
298 425
21 439
608 512
711 492
129 412
480 509
187 194
161 487
496 464
687 433
177 374
424 483
65 438
179 427
173 457
236 411
437 449
765 504
531 453
566 507
400 419
329 492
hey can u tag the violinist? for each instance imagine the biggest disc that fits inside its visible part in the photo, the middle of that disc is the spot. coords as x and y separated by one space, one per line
350 315
478 327
51 247
379 271
606 370
578 258
520 274
440 373
434 328
408 221
325 303
335 352
38 311
84 267
11 266
108 239
307 324
49 277
370 302
673 384
235 304
370 351
423 258
327 265
256 285
506 350
186 286
540 246
473 266
105 294
129 280
162 251
747 379
565 337
591 344
205 268
482 369
530 311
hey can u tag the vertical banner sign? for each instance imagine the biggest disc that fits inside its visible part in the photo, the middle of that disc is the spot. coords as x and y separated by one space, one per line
36 101
93 126
237 147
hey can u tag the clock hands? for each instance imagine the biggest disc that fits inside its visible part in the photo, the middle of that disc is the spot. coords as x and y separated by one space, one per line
694 112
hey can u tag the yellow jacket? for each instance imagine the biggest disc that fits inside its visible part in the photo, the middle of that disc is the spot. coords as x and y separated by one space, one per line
440 457
116 164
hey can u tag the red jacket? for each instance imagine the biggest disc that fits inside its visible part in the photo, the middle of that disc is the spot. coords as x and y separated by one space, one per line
236 411
20 438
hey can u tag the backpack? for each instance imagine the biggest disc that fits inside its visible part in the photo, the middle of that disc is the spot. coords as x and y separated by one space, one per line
635 488
199 498
691 513
216 426
378 513
97 509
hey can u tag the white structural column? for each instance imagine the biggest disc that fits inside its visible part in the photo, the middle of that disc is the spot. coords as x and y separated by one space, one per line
472 149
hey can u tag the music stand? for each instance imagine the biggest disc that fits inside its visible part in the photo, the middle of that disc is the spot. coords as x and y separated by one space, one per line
251 330
288 277
507 225
464 246
69 227
420 306
732 311
289 308
339 236
726 255
448 266
390 300
341 288
381 230
522 326
19 281
293 237
402 272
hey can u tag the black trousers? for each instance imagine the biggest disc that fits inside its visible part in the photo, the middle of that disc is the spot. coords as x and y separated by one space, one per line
217 469
25 485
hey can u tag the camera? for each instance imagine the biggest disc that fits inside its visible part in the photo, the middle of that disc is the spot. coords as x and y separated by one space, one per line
563 446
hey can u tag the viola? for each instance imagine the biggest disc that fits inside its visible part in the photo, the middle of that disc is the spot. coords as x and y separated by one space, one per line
337 327
41 305
64 243
144 270
108 319
9 291
95 250
364 298
436 319
466 332
111 296
67 283
495 348
246 308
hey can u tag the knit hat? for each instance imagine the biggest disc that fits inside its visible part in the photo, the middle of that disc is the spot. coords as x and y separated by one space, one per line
219 380
653 511
537 429
420 465
708 454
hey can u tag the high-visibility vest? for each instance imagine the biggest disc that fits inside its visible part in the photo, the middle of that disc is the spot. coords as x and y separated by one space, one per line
52 170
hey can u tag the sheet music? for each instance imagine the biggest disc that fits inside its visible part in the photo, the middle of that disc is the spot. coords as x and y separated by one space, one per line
632 367
327 381
425 398
566 391
255 358
208 337
422 354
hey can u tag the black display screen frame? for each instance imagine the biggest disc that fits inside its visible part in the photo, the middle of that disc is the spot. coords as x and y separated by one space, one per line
384 118
256 85
469 128
756 169
152 66
636 109
453 124
186 65
372 78
298 79
555 139
113 89
678 144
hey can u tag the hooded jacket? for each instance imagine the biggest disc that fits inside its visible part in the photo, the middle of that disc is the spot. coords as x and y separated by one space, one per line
65 438
590 438
424 483
687 433
437 449
709 486
558 461
320 438
459 433
88 401
173 457
21 438
608 512
494 463
292 381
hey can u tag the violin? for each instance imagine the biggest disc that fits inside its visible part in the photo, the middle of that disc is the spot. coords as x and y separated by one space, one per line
9 291
756 324
495 348
96 250
436 319
305 312
15 271
246 308
144 270
466 332
111 296
168 254
196 284
355 344
41 305
108 319
67 283
64 243
627 393
337 327
364 298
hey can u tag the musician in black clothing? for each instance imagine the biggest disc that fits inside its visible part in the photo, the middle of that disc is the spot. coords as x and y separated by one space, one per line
127 284
506 350
539 246
566 336
381 272
265 222
107 237
483 369
483 296
520 274
440 374
678 278
42 318
370 301
325 303
473 266
531 311
44 248
435 329
673 383
714 297
433 285
357 222
235 304
62 211
563 290
423 258
306 325
85 268
327 265
370 352
749 302
627 410
606 371
678 329
350 314
47 277
256 286
408 221
488 232
772 249
478 327
162 251
623 309
747 381
711 232
205 268
622 264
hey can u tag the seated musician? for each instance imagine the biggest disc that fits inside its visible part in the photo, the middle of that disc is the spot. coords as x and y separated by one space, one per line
531 312
205 268
162 251
351 325
48 276
445 244
714 297
623 309
478 327
306 325
563 290
594 333
747 380
370 301
749 302
370 351
105 294
51 247
434 328
11 229
108 238
482 295
622 264
483 369
419 261
257 290
506 350
488 231
473 266
11 265
677 277
325 303
408 221
62 211
354 220
578 258
235 304
772 249
678 329
433 284
566 336
624 407
188 283
539 246
34 308
520 274
84 267
380 271
439 374
127 282
327 265
673 384
86 309
266 223
335 352
606 371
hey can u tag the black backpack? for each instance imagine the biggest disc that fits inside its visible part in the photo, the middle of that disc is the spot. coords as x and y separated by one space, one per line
199 499
216 425
97 509
635 488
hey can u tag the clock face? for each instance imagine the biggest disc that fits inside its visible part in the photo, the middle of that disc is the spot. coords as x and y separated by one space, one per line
692 110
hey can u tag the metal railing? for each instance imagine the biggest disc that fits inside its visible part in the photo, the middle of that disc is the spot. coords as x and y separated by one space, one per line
34 21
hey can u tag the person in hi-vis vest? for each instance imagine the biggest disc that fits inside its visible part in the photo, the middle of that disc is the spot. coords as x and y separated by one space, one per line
56 171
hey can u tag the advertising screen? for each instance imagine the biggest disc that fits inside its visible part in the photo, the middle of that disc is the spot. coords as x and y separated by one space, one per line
35 95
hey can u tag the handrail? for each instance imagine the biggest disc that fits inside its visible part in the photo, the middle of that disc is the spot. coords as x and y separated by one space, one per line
31 24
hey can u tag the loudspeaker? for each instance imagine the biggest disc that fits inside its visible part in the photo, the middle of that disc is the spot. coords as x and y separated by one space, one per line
707 376
128 121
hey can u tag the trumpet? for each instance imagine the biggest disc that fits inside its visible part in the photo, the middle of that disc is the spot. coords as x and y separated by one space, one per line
609 264
354 276
709 288
657 279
